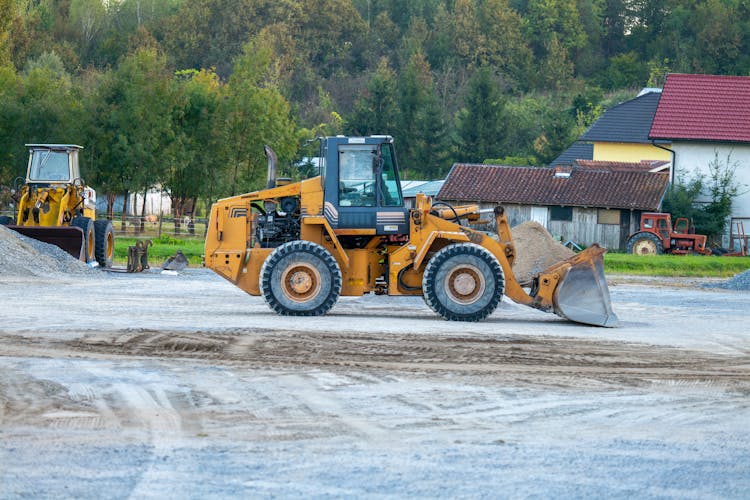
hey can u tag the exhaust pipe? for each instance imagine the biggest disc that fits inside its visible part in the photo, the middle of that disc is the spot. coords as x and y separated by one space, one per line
271 155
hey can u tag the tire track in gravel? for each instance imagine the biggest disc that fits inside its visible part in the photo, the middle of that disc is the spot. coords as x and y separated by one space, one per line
559 361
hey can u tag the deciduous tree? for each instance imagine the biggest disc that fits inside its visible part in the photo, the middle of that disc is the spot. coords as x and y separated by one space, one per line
256 115
133 124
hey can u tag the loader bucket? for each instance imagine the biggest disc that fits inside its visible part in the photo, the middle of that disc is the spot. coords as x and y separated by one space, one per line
70 239
582 295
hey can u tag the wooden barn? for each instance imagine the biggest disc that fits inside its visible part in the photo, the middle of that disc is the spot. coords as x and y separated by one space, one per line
587 202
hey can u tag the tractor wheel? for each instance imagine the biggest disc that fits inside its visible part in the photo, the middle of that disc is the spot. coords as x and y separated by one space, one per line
645 244
5 220
104 249
300 278
87 226
463 282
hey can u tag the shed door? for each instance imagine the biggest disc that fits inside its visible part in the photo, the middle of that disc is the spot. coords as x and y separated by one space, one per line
539 214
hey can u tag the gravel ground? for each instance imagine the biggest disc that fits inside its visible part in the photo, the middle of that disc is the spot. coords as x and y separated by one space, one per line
739 281
167 386
181 386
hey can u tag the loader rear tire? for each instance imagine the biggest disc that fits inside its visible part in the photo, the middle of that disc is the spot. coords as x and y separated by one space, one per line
645 244
105 243
463 282
300 278
87 226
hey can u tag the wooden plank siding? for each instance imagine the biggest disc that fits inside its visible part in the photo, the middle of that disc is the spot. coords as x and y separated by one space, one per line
584 229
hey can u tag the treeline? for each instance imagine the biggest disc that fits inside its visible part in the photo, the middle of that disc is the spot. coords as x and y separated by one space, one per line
184 93
142 124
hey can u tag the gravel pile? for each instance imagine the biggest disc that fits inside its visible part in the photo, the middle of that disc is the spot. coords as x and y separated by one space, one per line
737 282
23 256
536 250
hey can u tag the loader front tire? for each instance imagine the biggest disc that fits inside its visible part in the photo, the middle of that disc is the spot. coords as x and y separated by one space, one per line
87 226
463 282
300 278
104 249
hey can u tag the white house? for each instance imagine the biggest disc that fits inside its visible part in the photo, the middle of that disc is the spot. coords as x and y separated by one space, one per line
706 117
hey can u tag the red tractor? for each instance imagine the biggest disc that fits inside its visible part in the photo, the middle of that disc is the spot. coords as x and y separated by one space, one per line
657 235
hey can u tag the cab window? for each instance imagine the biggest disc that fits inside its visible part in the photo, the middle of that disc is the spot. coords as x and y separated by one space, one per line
390 184
356 176
49 166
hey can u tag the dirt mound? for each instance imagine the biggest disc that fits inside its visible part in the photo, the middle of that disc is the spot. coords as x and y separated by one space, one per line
536 250
23 256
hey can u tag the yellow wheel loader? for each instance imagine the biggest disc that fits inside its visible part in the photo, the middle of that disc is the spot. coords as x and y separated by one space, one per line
347 232
55 206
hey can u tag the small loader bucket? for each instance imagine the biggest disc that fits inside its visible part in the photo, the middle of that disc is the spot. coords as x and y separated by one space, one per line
582 294
69 239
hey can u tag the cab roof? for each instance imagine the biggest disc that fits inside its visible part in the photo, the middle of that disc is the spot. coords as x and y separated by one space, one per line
54 146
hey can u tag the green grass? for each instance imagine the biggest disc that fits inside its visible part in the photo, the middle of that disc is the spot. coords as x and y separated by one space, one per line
675 265
161 249
616 263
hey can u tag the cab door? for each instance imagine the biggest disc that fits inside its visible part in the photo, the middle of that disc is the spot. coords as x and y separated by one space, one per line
368 194
392 217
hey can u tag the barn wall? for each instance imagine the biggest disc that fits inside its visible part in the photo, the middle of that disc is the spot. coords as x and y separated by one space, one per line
584 229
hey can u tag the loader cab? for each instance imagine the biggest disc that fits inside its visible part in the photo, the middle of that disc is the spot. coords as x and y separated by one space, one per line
53 164
362 185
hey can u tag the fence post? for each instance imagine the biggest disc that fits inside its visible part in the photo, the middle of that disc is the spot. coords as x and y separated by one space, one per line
161 213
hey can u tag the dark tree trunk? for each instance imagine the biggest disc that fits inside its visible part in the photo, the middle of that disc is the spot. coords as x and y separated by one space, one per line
124 218
111 197
141 224
208 216
190 212
177 209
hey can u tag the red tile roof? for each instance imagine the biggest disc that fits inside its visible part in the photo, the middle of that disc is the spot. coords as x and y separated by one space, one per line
641 166
586 187
703 107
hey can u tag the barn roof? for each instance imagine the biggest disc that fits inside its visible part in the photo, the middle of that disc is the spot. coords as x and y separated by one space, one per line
704 108
560 186
641 166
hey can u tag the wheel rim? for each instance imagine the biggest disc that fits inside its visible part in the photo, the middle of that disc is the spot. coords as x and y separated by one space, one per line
110 245
465 284
90 246
300 282
645 247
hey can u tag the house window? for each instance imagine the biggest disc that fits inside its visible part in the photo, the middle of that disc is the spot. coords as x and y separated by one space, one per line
561 213
606 216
